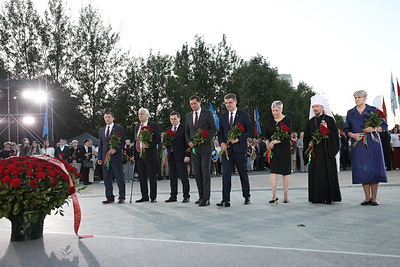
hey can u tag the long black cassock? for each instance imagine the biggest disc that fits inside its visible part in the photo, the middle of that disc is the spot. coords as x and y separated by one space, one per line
323 184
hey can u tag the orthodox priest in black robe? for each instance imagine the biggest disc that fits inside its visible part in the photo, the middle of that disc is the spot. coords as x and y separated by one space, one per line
323 184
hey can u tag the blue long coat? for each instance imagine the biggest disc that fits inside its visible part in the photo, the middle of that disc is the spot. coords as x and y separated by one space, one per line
368 164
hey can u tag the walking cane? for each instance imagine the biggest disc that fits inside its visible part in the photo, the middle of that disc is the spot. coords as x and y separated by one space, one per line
130 200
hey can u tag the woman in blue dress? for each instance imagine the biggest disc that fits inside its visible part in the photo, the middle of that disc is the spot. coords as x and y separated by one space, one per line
368 165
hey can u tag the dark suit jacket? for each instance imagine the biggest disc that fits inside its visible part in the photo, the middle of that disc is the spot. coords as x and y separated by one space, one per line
104 145
82 152
206 122
224 127
150 152
66 153
179 145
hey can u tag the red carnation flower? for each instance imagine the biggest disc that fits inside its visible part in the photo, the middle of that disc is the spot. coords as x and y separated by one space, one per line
380 113
148 128
29 173
6 179
33 183
171 133
51 173
15 173
41 175
324 130
21 169
240 126
53 181
7 171
12 167
204 134
71 190
118 133
16 182
285 128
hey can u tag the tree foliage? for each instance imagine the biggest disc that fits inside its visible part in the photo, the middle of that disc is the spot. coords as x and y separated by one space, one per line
89 74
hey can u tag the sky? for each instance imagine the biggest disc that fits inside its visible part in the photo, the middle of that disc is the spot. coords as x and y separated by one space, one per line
335 46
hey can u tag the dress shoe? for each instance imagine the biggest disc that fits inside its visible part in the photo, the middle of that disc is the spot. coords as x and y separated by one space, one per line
204 203
198 201
153 201
274 201
364 203
247 201
286 201
374 203
121 200
171 199
224 204
142 200
108 201
186 200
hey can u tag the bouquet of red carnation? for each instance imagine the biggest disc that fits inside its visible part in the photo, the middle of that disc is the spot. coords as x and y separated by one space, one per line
233 134
146 136
113 143
281 133
317 136
374 120
199 138
168 137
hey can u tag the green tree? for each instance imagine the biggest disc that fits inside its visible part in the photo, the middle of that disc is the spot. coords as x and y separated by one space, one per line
19 39
56 36
95 65
339 121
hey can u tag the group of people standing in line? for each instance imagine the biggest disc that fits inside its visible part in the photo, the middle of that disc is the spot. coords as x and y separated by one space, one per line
198 140
194 141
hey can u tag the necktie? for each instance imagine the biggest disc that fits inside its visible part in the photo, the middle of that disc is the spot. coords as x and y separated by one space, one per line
108 133
196 120
138 139
231 120
175 129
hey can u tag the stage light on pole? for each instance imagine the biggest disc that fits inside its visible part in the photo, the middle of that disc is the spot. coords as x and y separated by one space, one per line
28 120
38 96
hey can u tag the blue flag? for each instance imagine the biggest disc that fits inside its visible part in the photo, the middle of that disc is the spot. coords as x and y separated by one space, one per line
46 123
216 119
257 130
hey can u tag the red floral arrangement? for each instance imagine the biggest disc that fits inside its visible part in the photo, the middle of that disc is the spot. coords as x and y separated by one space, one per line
281 133
34 184
168 137
113 142
199 138
317 136
146 136
234 133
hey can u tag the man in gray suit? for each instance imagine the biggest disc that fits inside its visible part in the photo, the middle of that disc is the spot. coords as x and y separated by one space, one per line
201 119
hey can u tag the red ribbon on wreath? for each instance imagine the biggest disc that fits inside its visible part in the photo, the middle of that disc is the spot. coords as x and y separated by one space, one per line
75 202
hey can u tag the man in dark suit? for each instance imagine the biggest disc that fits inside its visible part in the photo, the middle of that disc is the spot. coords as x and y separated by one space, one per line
147 161
201 119
236 148
177 157
63 151
115 168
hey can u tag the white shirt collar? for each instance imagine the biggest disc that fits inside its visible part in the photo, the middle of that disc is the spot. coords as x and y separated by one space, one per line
234 114
111 127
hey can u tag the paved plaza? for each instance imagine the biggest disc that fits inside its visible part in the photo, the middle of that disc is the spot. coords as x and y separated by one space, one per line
261 234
